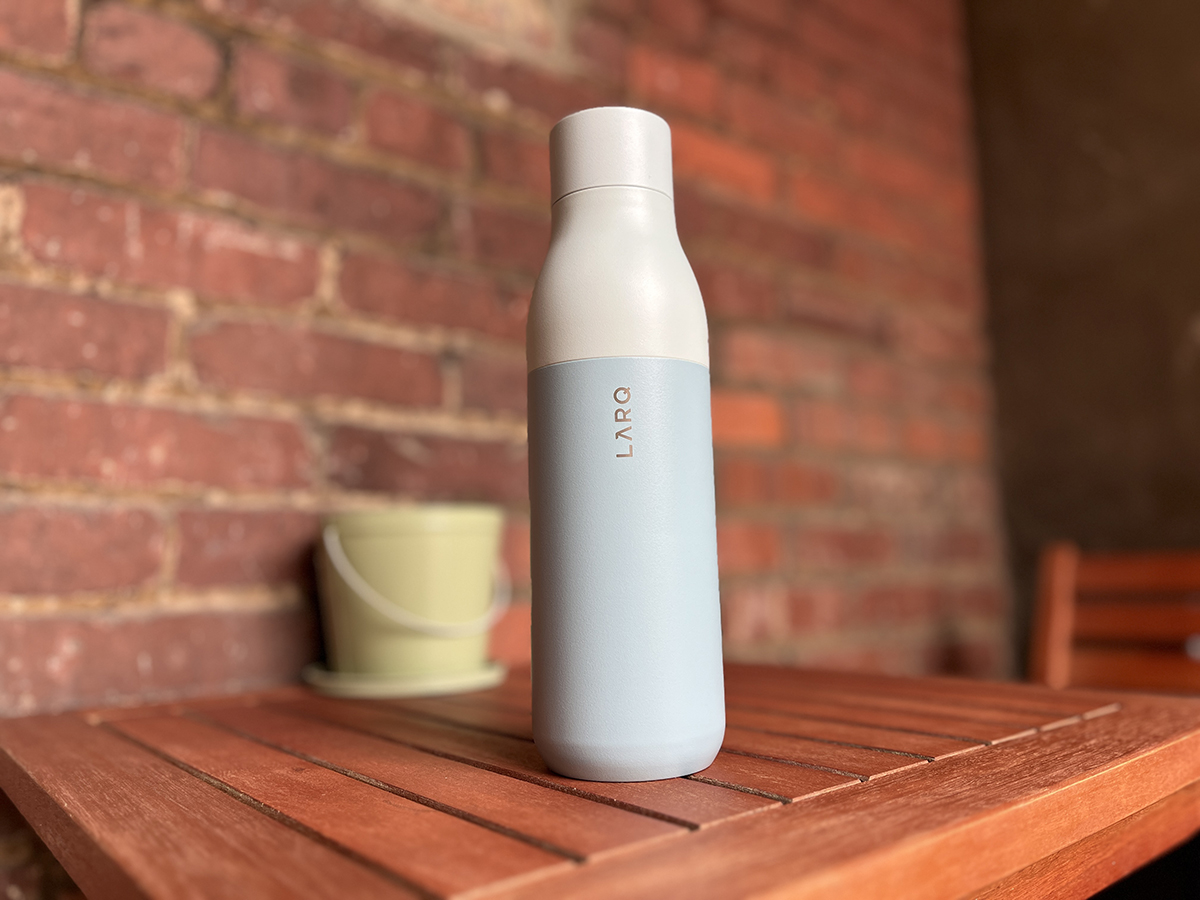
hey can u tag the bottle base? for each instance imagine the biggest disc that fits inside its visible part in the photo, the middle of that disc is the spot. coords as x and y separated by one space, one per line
624 764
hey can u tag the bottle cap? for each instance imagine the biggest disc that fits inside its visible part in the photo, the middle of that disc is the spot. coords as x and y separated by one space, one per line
610 145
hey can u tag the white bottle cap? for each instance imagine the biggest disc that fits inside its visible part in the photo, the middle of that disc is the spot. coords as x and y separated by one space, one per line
610 145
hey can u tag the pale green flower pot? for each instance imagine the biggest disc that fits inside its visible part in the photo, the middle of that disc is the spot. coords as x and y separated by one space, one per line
408 597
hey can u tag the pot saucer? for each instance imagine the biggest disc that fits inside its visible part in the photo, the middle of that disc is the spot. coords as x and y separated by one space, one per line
378 687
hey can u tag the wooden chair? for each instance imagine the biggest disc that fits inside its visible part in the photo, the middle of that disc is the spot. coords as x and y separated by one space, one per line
1117 620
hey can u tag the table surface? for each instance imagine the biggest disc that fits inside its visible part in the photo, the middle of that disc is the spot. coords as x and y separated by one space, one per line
829 785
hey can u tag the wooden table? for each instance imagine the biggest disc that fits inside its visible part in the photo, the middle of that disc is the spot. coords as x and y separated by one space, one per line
830 785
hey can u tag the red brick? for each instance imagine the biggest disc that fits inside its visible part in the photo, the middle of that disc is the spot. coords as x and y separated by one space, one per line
746 419
509 641
896 604
494 383
831 426
753 231
747 481
745 50
405 125
946 340
954 545
297 362
121 444
429 468
552 96
133 242
52 550
62 332
874 380
894 487
518 162
731 293
150 51
819 608
721 162
514 551
926 438
775 359
669 79
269 86
816 305
768 13
37 27
839 547
352 24
744 547
756 613
780 126
402 292
503 238
45 124
893 170
983 600
802 77
63 662
603 46
684 21
313 190
245 547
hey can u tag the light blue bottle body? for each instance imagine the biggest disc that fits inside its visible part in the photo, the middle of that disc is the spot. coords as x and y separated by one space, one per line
627 671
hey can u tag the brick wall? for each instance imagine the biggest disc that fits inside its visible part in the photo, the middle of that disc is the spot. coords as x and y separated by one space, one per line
264 258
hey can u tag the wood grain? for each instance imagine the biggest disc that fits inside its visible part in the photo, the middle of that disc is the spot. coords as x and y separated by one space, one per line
574 826
1172 621
125 824
437 852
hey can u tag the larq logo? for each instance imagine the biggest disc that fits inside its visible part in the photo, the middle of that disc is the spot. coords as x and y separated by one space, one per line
623 397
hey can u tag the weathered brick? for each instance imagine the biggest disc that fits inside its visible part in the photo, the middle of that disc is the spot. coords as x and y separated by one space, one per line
768 13
404 125
746 546
313 190
134 242
844 546
781 126
553 97
352 24
150 51
62 332
62 662
269 86
755 613
753 481
708 157
953 545
47 124
37 27
703 217
403 292
894 604
685 21
925 437
245 547
122 444
517 161
495 383
298 362
746 419
819 608
603 45
501 237
747 51
775 359
673 80
816 305
429 468
49 550
830 425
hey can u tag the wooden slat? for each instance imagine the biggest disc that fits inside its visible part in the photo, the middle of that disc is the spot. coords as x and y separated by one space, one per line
1178 571
917 836
1135 669
947 726
819 754
127 824
483 716
929 746
435 851
571 824
778 779
1137 620
1054 615
692 803
1101 859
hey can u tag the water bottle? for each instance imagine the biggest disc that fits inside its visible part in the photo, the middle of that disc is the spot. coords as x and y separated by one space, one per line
627 677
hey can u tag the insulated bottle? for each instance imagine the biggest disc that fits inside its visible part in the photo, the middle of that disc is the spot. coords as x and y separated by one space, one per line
627 678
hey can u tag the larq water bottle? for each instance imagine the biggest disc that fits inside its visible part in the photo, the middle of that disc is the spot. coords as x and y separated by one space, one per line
627 678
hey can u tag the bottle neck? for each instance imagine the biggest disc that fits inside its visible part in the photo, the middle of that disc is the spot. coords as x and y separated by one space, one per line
632 208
